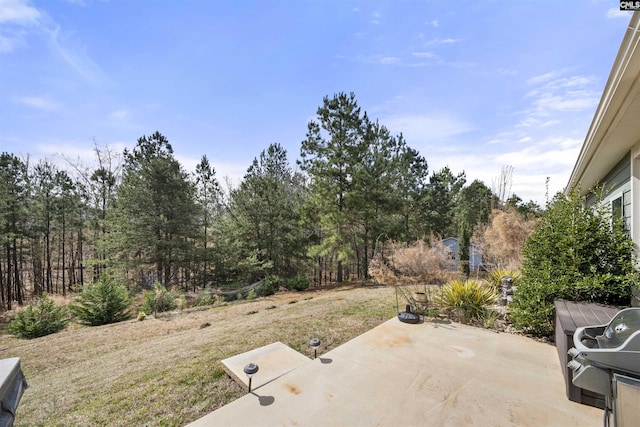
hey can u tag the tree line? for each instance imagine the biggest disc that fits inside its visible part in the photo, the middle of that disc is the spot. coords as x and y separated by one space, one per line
142 218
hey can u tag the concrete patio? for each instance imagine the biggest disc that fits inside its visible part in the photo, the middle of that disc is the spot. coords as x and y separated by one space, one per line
429 374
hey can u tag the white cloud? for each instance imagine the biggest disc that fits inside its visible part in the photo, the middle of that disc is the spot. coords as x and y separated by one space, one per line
40 103
16 17
549 123
553 93
554 153
7 44
543 78
570 101
18 12
423 129
424 54
387 60
617 13
535 122
397 61
568 82
379 59
225 171
503 71
75 56
439 42
534 161
435 23
543 142
119 114
63 152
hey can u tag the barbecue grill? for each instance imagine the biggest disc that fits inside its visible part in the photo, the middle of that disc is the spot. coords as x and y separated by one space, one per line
606 360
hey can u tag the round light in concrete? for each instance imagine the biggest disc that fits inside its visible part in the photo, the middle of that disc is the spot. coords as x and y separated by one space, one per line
315 343
250 369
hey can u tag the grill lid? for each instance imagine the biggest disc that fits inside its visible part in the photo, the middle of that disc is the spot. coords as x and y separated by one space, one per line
615 346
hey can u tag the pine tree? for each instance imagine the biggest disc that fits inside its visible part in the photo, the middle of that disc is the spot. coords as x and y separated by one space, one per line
330 154
154 222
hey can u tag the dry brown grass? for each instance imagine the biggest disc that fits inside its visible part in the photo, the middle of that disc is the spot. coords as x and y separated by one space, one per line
167 371
502 240
417 264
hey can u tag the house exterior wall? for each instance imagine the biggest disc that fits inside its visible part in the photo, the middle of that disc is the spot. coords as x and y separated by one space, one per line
635 197
617 190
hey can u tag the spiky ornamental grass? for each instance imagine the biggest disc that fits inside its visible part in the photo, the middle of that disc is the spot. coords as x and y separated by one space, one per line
102 302
467 300
495 277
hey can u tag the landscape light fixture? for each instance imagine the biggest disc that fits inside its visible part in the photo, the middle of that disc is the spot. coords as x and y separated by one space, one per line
315 343
250 369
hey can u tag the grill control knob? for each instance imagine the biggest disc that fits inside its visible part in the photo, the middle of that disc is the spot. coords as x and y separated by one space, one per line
574 365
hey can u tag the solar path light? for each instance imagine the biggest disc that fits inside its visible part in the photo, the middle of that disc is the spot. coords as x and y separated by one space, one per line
315 343
250 369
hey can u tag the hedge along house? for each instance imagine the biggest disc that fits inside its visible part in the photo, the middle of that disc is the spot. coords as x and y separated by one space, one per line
610 154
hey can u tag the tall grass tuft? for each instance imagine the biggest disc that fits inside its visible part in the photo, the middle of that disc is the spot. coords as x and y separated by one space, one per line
495 277
467 300
418 264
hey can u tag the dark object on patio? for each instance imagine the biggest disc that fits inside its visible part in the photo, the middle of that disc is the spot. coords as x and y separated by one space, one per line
605 360
250 370
571 315
407 316
12 386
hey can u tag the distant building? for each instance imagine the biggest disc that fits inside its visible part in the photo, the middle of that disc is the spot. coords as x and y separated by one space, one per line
475 254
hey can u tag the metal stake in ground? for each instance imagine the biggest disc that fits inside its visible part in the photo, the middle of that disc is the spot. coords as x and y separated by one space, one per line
315 343
250 369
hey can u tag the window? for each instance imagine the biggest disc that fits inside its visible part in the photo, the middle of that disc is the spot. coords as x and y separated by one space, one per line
616 208
617 212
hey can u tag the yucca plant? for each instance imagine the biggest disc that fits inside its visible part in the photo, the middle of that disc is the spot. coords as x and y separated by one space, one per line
495 277
467 300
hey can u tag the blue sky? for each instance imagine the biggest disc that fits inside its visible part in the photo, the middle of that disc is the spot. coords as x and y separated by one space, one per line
473 85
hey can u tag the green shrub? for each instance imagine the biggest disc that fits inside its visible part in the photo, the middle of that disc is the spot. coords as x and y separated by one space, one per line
38 320
298 283
158 300
574 253
270 285
252 294
467 300
205 299
102 302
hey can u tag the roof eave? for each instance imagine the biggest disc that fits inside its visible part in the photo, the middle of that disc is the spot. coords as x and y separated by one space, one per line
624 75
